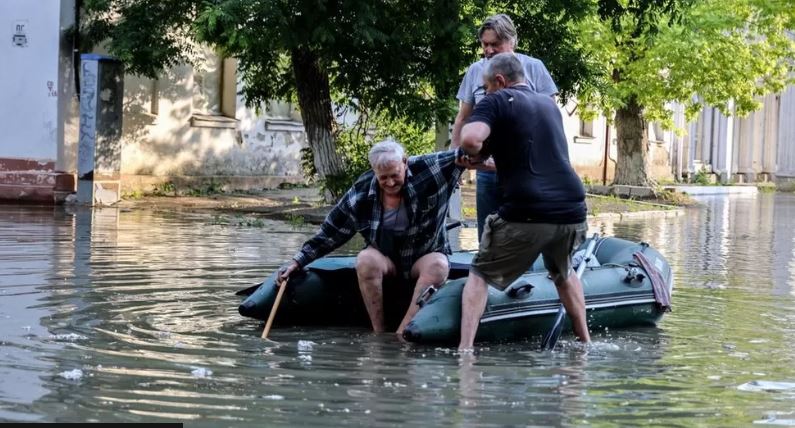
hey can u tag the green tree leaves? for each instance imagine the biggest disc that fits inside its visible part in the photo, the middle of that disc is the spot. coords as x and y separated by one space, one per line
709 52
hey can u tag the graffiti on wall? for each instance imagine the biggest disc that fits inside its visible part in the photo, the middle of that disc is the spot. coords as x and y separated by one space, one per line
88 125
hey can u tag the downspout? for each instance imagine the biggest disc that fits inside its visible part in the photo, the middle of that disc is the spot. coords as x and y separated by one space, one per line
76 47
607 152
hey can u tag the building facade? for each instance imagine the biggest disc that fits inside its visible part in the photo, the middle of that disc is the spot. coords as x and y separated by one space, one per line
190 128
37 88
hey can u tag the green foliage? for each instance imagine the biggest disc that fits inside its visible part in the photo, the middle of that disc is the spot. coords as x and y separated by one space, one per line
296 220
703 177
648 54
147 35
766 187
164 189
401 57
251 222
672 197
133 194
405 58
219 220
354 143
211 188
720 53
238 220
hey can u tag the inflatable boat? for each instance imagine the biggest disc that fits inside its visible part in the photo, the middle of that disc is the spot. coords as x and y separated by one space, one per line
626 284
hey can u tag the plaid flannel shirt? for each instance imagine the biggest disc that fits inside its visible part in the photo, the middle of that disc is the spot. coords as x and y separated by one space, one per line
430 181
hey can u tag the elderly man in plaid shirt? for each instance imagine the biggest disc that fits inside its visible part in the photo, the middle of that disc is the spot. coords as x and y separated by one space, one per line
399 208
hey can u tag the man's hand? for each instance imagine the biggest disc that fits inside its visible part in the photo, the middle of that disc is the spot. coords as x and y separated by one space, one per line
488 165
287 270
476 162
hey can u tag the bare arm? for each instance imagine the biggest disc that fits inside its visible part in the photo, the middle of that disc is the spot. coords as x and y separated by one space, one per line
473 135
464 111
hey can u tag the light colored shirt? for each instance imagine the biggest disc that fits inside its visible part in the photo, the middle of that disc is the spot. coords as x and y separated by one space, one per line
397 219
472 90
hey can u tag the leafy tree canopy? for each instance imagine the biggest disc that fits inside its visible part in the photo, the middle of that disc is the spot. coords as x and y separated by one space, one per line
404 57
720 53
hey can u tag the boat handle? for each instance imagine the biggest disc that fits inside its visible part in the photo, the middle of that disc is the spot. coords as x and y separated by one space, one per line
426 294
521 290
633 274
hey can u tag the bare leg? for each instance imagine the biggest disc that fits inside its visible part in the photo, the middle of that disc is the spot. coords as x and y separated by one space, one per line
371 266
473 302
430 269
573 299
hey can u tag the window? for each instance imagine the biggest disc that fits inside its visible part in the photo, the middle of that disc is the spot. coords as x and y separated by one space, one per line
586 128
215 93
282 110
282 116
657 132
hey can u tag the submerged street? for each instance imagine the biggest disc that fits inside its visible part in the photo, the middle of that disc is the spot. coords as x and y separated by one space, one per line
130 316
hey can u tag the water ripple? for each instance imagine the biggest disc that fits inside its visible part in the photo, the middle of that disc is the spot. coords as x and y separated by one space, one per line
142 304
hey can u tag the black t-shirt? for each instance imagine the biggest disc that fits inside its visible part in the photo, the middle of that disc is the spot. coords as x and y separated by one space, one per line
532 157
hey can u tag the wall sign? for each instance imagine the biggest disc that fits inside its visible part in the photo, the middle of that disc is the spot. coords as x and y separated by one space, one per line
20 34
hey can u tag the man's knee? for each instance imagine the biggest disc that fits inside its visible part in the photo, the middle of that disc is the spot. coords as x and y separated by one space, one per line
434 267
370 262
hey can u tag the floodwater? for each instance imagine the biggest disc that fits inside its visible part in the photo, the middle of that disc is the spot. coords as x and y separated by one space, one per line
130 316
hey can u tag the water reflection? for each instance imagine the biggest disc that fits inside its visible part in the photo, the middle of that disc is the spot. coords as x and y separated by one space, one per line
130 316
24 242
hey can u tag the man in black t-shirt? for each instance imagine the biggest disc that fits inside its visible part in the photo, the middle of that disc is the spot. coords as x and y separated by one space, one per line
543 210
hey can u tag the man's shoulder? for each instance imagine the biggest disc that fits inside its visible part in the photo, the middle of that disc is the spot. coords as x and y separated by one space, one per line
529 60
360 188
500 96
533 66
532 98
364 179
477 67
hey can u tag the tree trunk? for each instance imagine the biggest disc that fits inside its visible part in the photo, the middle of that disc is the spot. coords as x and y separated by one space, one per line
314 99
633 147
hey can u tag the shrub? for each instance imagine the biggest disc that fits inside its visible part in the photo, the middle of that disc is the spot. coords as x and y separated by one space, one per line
354 144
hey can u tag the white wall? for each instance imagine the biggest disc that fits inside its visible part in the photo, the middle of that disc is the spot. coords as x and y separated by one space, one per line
29 79
587 155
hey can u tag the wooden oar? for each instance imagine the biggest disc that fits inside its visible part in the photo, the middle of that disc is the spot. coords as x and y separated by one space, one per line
551 338
282 287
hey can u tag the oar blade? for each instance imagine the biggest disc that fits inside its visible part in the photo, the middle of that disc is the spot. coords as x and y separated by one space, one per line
552 336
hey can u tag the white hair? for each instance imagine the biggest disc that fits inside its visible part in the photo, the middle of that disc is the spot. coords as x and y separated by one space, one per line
386 152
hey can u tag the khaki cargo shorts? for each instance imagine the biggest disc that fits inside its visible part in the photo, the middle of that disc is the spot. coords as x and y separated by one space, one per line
508 249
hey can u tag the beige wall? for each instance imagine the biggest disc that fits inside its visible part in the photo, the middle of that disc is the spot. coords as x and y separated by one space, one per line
587 152
588 155
191 122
